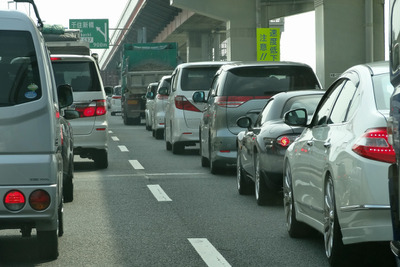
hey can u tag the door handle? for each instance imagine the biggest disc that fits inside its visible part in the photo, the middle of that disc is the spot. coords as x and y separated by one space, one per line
310 142
327 145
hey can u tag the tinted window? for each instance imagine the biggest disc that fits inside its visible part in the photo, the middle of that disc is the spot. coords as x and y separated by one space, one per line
82 76
325 108
193 79
383 89
260 81
19 73
339 112
309 102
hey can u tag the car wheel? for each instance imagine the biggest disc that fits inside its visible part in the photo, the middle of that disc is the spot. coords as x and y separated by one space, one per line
243 184
48 244
263 194
101 159
159 134
61 219
68 186
178 148
168 145
213 166
112 113
334 248
204 161
136 121
294 227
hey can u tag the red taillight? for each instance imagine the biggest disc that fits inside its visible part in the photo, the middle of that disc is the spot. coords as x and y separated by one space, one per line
373 144
181 102
14 200
284 141
39 200
235 101
55 58
116 97
95 108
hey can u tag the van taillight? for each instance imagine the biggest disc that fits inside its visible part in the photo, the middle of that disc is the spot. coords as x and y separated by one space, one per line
95 108
14 200
39 200
235 101
181 102
55 58
373 144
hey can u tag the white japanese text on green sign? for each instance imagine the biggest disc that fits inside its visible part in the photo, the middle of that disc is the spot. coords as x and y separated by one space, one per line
93 31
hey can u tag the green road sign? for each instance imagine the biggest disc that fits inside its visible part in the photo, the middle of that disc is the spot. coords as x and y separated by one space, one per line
93 31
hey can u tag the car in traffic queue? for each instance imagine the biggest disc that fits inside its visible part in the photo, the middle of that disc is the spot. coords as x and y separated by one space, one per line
262 146
242 89
160 103
182 114
148 112
115 100
335 173
91 128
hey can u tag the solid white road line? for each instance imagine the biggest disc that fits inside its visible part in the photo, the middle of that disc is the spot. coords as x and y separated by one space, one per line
123 149
208 253
114 138
136 165
158 192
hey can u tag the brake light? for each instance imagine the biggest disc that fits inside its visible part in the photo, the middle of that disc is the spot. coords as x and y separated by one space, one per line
235 101
284 141
14 200
39 200
181 102
55 58
95 108
373 144
116 97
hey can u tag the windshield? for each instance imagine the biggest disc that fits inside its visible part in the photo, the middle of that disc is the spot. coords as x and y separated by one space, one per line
259 81
19 73
82 76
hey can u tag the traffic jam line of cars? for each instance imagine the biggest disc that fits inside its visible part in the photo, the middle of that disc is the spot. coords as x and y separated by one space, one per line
203 247
325 152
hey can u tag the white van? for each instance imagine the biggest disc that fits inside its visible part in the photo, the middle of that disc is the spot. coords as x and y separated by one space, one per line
30 141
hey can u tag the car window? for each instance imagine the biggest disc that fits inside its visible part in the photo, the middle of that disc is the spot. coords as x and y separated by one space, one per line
193 79
117 90
19 72
264 113
383 89
326 104
309 102
264 81
82 76
341 108
213 90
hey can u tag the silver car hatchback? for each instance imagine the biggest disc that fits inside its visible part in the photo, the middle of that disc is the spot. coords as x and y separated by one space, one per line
242 89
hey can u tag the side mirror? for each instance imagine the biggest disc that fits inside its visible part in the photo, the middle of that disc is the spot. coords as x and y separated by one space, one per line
163 91
296 117
199 97
150 95
244 122
65 97
70 114
108 90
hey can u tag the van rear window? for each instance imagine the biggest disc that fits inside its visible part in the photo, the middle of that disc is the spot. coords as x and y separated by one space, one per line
82 76
198 78
265 81
19 73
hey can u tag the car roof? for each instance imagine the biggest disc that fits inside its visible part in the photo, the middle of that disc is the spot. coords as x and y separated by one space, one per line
244 64
202 64
379 67
73 57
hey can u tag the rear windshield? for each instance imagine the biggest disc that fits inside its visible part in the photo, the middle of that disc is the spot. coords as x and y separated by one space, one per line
82 76
19 73
383 89
259 81
193 79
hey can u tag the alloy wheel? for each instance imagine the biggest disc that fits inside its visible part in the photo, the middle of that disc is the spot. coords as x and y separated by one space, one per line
329 217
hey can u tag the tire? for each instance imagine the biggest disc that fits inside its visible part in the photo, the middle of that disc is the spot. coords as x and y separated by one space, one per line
101 159
68 186
295 228
48 244
244 186
159 134
334 248
263 194
178 148
204 161
213 166
135 121
168 145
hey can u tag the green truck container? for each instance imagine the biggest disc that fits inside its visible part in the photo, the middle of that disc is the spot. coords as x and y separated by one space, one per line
143 63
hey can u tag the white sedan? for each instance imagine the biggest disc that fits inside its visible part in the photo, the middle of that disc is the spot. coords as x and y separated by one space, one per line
335 173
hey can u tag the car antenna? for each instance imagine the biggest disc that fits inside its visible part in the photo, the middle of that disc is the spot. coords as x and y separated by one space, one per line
39 20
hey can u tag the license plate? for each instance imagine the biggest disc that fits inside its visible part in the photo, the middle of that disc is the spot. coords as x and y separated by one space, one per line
132 102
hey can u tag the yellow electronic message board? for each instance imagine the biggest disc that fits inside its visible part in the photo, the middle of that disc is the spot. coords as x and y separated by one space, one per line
268 44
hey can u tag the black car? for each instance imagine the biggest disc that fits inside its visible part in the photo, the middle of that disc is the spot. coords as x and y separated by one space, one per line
262 146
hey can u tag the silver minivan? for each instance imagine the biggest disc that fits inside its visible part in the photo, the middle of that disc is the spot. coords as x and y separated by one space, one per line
242 89
31 163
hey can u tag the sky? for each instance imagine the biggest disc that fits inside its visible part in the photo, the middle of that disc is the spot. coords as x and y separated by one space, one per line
60 11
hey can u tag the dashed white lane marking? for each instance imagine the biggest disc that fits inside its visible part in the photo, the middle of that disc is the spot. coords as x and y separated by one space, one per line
208 253
136 165
123 149
114 138
158 192
110 131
